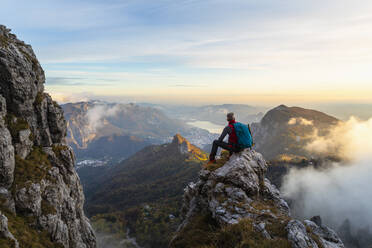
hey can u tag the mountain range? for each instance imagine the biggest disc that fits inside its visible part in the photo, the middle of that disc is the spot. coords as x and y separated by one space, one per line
212 113
99 129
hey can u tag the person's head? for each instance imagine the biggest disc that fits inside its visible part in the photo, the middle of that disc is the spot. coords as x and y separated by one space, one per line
230 116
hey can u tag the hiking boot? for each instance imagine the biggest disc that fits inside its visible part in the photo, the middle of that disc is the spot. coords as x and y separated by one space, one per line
212 161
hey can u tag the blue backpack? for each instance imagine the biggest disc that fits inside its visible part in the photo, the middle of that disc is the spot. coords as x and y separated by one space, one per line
244 135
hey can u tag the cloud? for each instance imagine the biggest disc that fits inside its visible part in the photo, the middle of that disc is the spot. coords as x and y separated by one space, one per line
255 45
63 81
300 121
188 85
337 191
96 116
350 140
66 98
79 81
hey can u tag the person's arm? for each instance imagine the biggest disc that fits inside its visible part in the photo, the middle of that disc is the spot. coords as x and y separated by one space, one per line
225 131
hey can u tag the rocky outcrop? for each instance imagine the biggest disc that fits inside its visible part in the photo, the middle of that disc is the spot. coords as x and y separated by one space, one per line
186 148
239 192
38 183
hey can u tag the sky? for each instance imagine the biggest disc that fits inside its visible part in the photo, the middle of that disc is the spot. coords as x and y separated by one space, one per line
192 52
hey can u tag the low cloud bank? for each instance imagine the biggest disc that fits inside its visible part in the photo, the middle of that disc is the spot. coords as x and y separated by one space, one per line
342 190
351 140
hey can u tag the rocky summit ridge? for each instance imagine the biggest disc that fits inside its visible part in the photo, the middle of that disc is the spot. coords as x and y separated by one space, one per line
236 206
41 198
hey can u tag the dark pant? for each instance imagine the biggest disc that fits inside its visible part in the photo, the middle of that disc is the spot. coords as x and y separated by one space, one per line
230 147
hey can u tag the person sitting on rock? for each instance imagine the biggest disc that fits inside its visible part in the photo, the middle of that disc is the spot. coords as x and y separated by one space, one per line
231 145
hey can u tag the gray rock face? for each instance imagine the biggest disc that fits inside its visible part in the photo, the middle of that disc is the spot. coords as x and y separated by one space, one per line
37 175
310 234
229 191
6 149
239 190
4 231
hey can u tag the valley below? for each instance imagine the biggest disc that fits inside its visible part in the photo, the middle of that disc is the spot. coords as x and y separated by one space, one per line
140 209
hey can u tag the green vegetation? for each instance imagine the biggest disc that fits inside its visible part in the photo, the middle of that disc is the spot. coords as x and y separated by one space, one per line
47 208
39 98
200 232
27 236
155 223
314 237
57 149
7 243
203 232
260 205
142 191
55 104
4 41
30 59
112 223
32 169
15 125
152 224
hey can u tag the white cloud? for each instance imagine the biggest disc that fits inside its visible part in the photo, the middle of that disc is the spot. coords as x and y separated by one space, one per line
350 140
341 190
300 121
96 116
293 46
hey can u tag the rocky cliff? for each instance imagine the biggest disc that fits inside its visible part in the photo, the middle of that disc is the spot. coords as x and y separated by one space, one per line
41 198
236 206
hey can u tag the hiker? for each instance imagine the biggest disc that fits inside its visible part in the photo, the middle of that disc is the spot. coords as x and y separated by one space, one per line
235 143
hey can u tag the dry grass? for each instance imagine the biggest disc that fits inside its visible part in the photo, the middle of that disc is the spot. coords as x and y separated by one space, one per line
23 229
15 125
225 156
32 169
314 237
202 232
4 41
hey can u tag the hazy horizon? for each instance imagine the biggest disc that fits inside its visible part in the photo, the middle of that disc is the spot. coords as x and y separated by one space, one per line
185 51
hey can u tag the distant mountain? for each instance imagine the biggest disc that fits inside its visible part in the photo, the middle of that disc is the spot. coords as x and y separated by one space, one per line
97 128
145 191
213 113
118 146
285 131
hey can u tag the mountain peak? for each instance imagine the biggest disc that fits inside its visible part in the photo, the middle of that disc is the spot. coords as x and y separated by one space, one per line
183 144
281 106
185 147
296 124
250 210
179 139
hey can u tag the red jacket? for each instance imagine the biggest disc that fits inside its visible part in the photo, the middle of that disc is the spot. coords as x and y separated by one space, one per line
233 139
